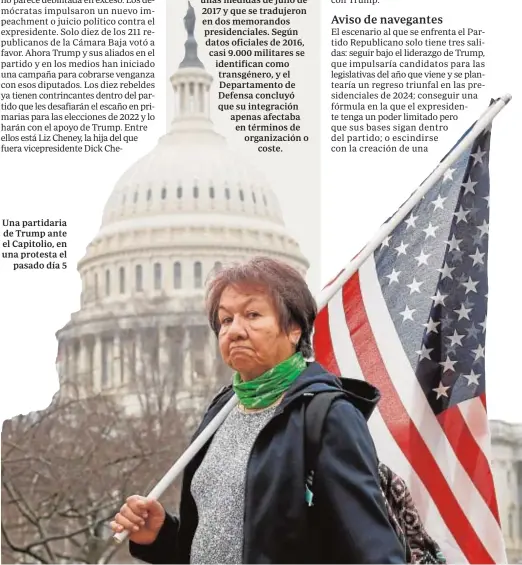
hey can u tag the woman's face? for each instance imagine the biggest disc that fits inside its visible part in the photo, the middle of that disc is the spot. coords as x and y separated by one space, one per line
250 338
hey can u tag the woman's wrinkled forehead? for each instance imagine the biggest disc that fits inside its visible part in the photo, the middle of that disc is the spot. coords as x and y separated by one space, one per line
243 292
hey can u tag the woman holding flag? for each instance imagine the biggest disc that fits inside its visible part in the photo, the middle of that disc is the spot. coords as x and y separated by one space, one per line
245 497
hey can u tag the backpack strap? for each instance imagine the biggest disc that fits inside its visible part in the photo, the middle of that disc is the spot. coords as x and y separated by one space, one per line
315 416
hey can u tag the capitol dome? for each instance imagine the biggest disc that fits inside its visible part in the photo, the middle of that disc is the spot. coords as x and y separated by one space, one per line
190 197
185 209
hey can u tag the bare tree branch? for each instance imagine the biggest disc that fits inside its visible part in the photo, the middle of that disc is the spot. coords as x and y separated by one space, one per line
19 549
67 470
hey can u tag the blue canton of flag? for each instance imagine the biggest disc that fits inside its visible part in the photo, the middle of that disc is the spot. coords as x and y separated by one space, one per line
433 274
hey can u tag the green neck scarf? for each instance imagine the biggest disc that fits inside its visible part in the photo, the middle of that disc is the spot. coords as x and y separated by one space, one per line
264 390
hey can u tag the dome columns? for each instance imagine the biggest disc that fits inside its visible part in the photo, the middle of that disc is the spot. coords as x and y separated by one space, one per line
191 96
84 362
164 357
96 363
187 359
124 361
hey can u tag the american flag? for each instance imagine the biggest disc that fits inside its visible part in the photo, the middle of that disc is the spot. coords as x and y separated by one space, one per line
412 322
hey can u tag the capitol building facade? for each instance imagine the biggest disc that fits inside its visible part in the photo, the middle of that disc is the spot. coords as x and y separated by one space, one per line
181 212
506 462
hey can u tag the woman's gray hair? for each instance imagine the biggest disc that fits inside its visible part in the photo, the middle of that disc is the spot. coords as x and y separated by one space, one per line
288 290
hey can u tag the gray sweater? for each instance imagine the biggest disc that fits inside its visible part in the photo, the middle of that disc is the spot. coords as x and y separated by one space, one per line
218 487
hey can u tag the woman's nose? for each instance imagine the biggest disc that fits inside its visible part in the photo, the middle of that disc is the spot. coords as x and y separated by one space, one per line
236 328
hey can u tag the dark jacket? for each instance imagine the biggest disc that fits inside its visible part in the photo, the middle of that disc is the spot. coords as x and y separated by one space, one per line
347 523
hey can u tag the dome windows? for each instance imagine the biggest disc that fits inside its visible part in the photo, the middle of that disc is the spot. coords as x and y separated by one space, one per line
241 195
198 275
122 280
177 275
164 193
139 278
179 191
254 197
264 200
195 191
135 197
149 195
211 192
227 193
157 276
150 277
107 283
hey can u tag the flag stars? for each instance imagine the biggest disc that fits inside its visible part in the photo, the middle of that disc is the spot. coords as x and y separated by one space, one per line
441 390
473 332
386 242
478 257
477 240
469 186
401 250
439 203
454 243
407 314
479 352
451 349
439 298
483 229
463 312
473 211
431 326
455 339
478 156
422 259
446 322
415 286
410 221
484 324
448 365
393 276
461 215
470 285
430 230
472 378
446 271
424 353
448 174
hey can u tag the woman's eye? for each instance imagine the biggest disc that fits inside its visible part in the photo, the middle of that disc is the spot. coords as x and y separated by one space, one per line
225 321
253 314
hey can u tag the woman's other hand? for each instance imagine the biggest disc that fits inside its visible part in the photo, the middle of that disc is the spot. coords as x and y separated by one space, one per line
142 517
